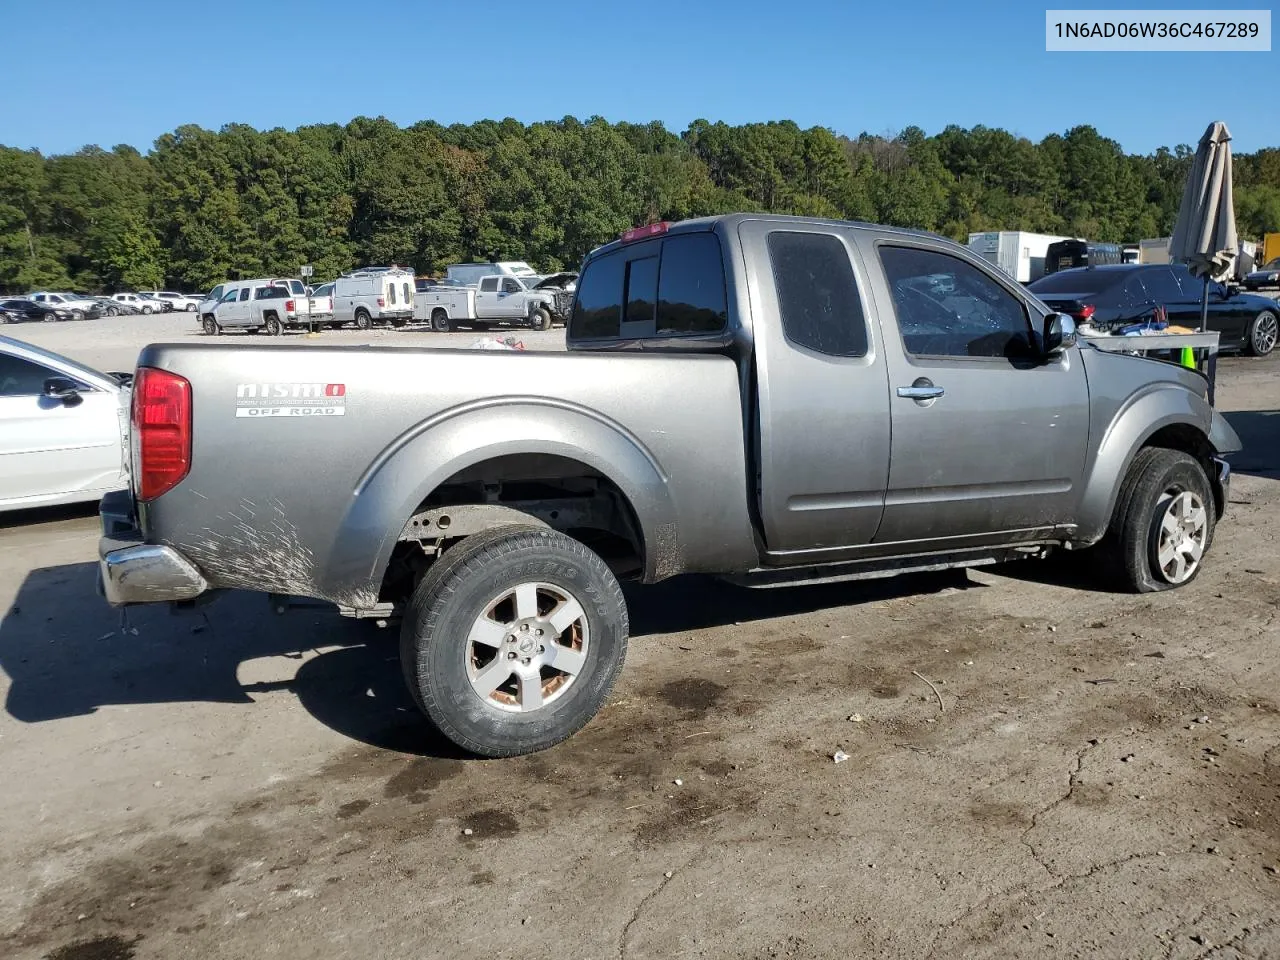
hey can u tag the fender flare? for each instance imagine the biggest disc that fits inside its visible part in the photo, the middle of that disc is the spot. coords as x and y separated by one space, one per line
422 458
1146 412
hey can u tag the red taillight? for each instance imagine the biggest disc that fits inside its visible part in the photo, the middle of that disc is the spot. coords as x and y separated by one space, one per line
161 431
1086 311
382 302
288 306
640 233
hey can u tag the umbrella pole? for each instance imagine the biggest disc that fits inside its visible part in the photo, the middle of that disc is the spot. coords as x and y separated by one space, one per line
1204 305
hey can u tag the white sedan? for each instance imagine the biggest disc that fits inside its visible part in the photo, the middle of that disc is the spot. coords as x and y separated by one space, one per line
63 429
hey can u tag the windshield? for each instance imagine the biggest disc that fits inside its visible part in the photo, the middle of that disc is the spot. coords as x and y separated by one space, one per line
57 359
1273 264
1078 281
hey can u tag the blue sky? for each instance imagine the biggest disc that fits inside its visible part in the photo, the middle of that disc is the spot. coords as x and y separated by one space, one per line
134 69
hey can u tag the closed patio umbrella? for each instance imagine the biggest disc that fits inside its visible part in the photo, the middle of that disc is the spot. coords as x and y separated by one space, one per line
1204 237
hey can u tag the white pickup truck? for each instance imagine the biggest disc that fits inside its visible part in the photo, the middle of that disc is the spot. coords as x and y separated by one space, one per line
497 299
270 305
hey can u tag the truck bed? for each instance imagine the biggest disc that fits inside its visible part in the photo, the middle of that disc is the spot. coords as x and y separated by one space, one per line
307 462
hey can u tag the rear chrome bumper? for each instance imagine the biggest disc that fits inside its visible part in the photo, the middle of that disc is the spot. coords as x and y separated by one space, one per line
130 571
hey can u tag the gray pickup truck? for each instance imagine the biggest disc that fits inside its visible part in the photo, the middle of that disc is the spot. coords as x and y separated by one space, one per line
769 399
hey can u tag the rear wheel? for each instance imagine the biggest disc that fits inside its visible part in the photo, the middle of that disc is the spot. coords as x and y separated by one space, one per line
362 319
1163 521
146 310
211 327
440 321
273 327
513 639
77 314
1263 333
112 311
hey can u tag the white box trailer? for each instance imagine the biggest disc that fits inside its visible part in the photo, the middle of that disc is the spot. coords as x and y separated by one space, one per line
1155 250
1016 252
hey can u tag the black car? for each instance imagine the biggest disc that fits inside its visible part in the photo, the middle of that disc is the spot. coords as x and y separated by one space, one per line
30 310
1114 296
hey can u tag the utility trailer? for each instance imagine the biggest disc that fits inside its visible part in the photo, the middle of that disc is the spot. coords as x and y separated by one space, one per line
1016 252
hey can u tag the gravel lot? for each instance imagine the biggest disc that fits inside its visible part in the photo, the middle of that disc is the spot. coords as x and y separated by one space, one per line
1104 780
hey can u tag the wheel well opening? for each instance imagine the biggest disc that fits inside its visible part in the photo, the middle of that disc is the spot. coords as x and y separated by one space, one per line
558 492
1188 439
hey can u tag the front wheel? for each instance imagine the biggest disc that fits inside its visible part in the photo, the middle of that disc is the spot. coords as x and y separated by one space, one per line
191 308
146 310
513 639
540 319
211 327
77 314
1263 333
1163 521
112 312
362 319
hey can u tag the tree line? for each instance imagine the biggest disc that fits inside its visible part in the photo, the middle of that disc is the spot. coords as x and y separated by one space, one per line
204 206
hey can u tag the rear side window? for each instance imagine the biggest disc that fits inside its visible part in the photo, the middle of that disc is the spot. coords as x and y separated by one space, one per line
244 294
391 291
691 297
598 310
408 294
680 291
642 290
817 293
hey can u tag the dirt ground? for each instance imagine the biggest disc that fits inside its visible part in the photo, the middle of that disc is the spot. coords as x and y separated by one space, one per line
1098 774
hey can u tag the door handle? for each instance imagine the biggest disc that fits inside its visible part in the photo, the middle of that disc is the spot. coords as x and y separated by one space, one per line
921 390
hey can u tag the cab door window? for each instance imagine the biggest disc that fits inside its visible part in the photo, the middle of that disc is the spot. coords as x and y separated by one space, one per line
946 307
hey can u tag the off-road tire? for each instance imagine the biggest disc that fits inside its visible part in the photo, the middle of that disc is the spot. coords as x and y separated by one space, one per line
444 608
1131 542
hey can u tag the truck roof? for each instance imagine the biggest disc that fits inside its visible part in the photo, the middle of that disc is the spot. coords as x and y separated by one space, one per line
731 220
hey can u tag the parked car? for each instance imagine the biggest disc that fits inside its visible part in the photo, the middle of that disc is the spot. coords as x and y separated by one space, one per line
498 299
76 307
322 302
65 428
271 306
142 304
1120 294
1267 275
804 429
23 309
115 308
373 295
166 306
180 302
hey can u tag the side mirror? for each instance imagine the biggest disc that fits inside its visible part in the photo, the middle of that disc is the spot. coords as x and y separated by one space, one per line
60 388
1232 291
1059 334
